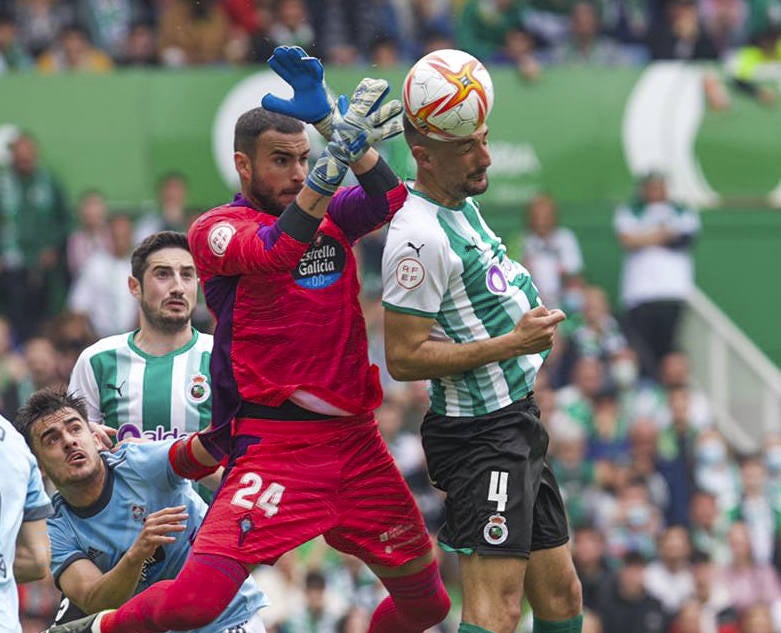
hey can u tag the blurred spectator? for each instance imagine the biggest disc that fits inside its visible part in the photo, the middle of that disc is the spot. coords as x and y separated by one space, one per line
627 21
520 50
574 473
435 41
754 65
92 233
170 212
108 22
40 23
192 33
599 335
708 527
12 370
594 572
70 333
669 579
714 470
483 24
101 291
635 523
658 269
586 45
31 258
762 16
755 510
552 255
772 454
757 619
681 35
315 616
626 607
140 47
74 53
726 22
419 18
749 583
13 56
676 456
384 53
291 26
351 584
675 372
576 399
356 620
608 431
250 16
43 368
717 614
549 20
283 584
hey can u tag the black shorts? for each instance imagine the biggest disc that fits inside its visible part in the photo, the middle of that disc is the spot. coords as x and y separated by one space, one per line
502 497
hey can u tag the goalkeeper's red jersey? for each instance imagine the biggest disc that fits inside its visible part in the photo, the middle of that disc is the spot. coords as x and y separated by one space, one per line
289 321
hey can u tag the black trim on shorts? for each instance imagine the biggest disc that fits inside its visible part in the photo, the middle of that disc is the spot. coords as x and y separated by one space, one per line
286 411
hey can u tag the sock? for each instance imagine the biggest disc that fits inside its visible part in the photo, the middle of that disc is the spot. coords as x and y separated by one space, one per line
197 596
573 625
471 628
416 602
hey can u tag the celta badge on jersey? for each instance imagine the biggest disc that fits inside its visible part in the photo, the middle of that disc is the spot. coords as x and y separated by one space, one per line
198 390
138 512
322 264
495 531
410 273
220 236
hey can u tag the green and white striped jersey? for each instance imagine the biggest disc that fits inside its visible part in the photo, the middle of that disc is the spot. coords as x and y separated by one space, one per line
157 397
446 264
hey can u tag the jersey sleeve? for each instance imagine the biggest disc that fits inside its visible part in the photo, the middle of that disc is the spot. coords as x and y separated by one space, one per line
84 384
358 213
571 257
65 546
415 269
228 244
150 461
37 505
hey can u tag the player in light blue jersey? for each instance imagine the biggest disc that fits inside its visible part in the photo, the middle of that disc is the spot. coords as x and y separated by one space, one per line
24 506
123 520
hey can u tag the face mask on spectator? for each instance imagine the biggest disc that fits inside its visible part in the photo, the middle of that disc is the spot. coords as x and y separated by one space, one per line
572 300
773 459
711 453
624 373
637 516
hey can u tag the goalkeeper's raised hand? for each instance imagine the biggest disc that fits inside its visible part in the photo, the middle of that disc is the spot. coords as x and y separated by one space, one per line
311 102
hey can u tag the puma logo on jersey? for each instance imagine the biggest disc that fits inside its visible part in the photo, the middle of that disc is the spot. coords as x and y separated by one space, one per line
415 248
115 388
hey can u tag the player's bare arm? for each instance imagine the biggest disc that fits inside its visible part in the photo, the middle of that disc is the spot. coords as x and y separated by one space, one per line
411 354
92 590
33 555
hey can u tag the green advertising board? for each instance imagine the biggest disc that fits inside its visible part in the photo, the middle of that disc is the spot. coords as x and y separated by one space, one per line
578 133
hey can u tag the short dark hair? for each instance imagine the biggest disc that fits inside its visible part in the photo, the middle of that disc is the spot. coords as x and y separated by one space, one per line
45 402
151 244
413 135
314 580
254 122
171 175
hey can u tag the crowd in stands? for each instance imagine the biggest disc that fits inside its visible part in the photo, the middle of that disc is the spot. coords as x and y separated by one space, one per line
97 35
672 531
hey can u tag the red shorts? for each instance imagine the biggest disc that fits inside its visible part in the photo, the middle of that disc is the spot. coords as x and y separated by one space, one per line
303 479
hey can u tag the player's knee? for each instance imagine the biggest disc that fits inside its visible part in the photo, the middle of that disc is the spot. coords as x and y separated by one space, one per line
567 600
428 611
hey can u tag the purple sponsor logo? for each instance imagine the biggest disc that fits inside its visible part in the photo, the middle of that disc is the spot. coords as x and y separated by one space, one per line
129 431
495 280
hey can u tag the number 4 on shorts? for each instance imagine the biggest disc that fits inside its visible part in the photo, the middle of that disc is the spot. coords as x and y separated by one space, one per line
497 489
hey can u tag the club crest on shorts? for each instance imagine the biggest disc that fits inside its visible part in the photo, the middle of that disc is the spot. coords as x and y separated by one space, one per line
198 390
495 531
245 525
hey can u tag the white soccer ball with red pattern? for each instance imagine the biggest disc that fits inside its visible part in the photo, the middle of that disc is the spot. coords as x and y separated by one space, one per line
448 94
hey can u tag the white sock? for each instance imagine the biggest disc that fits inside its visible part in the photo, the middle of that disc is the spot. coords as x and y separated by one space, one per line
95 627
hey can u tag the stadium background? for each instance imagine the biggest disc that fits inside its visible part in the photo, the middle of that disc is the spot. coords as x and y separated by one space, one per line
564 133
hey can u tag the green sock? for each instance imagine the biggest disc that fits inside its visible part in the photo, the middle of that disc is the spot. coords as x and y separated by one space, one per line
573 625
471 628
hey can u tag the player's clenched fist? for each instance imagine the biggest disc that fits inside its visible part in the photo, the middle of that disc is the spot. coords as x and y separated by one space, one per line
157 527
534 332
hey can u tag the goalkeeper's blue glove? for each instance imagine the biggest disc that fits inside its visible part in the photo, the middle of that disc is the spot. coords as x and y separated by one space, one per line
311 102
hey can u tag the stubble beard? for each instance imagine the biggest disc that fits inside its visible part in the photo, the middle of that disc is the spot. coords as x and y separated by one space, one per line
263 197
165 324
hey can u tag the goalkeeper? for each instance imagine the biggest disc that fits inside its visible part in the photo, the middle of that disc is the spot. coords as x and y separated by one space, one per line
293 390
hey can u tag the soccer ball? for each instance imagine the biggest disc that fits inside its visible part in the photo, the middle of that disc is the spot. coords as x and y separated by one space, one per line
448 95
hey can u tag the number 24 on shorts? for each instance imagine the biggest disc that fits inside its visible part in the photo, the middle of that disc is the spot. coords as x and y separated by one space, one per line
268 500
497 489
